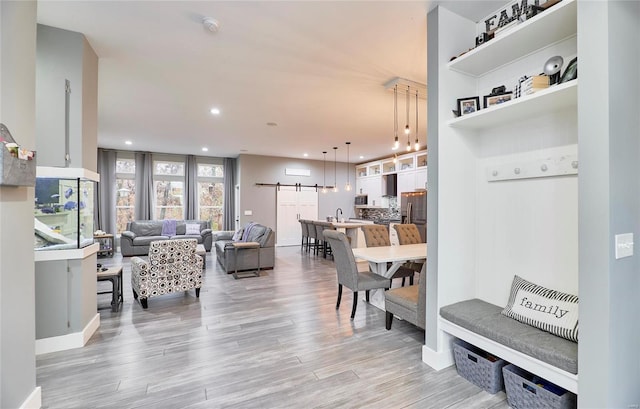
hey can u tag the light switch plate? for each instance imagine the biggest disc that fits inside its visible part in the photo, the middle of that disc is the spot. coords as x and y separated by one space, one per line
624 245
248 212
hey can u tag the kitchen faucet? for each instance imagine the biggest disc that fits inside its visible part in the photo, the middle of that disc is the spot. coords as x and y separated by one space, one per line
338 210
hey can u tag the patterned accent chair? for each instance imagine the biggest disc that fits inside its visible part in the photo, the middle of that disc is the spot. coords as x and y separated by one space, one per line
173 266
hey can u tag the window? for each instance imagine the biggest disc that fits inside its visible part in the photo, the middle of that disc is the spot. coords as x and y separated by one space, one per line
125 191
168 185
211 193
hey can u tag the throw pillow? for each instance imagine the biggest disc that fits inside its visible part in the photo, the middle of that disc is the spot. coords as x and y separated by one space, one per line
169 227
552 311
237 236
192 229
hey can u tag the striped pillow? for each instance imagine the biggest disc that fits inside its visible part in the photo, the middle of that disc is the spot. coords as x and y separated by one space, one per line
540 307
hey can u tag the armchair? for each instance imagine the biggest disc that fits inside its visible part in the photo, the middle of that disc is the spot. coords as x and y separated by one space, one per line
247 259
173 266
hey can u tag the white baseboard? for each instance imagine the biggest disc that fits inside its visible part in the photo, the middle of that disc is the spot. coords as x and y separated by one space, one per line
438 360
68 341
34 401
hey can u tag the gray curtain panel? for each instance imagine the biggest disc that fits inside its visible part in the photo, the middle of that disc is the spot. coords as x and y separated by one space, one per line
144 186
228 211
105 194
191 189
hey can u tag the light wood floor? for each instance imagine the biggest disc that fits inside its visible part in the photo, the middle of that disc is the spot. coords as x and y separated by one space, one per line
274 341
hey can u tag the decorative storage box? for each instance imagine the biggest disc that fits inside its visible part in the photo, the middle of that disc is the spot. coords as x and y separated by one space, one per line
478 366
528 391
14 171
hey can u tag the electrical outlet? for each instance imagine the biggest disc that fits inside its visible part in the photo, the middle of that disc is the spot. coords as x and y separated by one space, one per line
248 212
624 245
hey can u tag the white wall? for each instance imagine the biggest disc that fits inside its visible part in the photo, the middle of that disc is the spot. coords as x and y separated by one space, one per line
17 300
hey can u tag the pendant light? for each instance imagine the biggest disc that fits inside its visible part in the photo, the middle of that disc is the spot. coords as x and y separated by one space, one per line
324 172
335 169
347 187
416 146
407 130
396 142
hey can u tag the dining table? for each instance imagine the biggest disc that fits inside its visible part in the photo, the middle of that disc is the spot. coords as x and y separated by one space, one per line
385 261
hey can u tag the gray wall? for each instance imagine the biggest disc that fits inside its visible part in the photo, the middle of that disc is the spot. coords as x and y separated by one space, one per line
261 200
609 152
17 300
61 55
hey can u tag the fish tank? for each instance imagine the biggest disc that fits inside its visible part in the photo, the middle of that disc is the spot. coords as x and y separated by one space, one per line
63 210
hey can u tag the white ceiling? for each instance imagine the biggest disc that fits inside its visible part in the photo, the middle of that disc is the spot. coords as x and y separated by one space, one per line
316 68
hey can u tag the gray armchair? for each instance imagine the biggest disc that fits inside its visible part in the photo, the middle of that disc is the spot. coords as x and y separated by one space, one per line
173 266
347 270
246 259
408 303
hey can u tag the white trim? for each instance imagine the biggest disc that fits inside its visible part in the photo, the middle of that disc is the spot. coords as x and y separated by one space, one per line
34 400
438 360
551 373
68 341
70 254
68 173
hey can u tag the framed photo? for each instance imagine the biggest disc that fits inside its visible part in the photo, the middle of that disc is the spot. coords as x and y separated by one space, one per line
468 105
491 100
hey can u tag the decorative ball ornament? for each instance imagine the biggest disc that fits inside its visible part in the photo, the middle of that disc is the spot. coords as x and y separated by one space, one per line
552 68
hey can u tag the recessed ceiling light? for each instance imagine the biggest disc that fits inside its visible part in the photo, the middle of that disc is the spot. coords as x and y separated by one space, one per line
128 143
361 157
205 149
272 124
215 111
305 155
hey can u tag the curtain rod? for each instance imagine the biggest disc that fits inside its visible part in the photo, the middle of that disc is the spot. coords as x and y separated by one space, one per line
298 186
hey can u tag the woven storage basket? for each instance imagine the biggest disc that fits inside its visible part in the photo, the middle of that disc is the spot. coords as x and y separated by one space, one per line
478 367
527 391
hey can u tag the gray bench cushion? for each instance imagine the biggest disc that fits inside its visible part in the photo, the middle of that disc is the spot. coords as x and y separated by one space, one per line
486 319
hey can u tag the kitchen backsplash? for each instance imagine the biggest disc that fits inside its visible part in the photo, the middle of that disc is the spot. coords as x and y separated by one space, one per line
393 212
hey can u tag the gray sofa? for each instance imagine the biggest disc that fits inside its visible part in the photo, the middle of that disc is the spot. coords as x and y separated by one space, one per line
136 239
247 258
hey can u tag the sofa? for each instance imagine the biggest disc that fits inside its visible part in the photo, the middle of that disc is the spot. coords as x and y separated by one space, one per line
136 239
247 259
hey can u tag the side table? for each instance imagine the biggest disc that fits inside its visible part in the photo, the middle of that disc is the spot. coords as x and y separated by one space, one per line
113 274
106 244
246 245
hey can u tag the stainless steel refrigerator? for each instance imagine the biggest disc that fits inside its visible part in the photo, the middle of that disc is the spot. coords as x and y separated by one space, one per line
413 209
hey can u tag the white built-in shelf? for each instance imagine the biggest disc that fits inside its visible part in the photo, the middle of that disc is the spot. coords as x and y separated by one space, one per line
555 24
545 101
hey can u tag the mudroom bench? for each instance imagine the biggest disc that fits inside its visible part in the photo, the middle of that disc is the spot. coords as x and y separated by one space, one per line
539 352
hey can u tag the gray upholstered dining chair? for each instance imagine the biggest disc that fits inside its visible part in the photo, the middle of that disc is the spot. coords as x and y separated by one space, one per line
304 229
376 235
408 303
324 245
347 270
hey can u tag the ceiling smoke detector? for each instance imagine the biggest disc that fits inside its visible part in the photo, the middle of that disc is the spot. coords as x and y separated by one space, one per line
211 24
